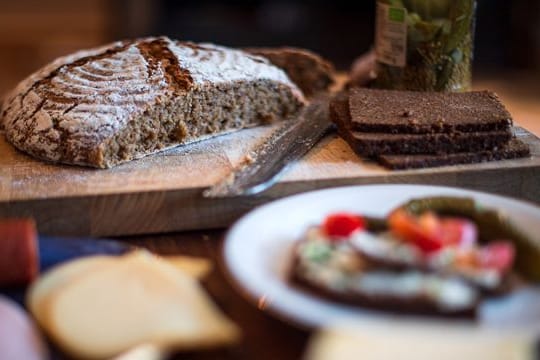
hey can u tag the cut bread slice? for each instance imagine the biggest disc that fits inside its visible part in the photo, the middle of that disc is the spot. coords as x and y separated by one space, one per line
396 303
372 144
514 149
390 111
413 149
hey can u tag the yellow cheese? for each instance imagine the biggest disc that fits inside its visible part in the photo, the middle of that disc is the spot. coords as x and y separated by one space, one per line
53 280
137 299
399 340
196 267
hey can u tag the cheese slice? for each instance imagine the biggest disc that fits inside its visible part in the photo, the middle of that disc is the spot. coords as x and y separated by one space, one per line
418 341
137 299
53 280
194 266
59 276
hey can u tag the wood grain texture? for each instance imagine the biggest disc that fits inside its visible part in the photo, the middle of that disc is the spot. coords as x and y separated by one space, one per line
162 193
264 337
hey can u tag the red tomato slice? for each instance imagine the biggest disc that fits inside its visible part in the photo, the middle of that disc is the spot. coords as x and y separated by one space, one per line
429 222
405 226
458 232
343 224
498 255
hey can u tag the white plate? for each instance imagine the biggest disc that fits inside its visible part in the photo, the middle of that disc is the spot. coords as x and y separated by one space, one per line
257 252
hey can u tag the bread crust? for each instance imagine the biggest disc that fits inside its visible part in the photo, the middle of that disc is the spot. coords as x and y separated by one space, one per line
311 72
125 100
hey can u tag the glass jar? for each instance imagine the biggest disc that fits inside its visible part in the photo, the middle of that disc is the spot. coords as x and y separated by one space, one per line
425 45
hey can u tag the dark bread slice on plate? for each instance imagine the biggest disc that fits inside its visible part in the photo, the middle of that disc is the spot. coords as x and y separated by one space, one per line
392 304
417 304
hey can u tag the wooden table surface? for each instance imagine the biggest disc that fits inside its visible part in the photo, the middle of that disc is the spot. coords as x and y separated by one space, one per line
266 337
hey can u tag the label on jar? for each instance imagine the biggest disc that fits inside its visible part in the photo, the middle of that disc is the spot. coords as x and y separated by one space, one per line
391 35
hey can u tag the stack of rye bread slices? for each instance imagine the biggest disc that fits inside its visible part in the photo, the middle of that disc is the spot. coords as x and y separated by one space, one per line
408 130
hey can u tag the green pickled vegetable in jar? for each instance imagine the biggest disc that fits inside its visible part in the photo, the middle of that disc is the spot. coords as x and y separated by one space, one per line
425 45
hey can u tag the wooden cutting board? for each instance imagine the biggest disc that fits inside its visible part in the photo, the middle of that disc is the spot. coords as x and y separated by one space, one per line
162 193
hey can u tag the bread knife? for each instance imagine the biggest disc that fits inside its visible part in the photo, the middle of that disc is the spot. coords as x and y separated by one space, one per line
290 141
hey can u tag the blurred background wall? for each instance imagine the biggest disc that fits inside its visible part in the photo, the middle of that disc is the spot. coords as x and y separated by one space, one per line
33 32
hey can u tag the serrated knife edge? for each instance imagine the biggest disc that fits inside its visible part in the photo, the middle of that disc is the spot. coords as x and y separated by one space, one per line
268 161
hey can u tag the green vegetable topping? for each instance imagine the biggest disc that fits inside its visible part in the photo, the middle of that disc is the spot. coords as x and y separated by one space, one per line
317 251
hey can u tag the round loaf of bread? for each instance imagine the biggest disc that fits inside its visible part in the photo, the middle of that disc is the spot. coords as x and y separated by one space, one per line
105 106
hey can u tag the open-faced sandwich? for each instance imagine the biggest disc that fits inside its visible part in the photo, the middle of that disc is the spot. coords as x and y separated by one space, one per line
435 256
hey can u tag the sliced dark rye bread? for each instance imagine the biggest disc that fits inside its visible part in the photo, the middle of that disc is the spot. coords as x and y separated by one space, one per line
512 150
414 305
392 304
390 111
373 144
309 71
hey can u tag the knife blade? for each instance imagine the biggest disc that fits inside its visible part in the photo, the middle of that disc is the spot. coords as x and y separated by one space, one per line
286 144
